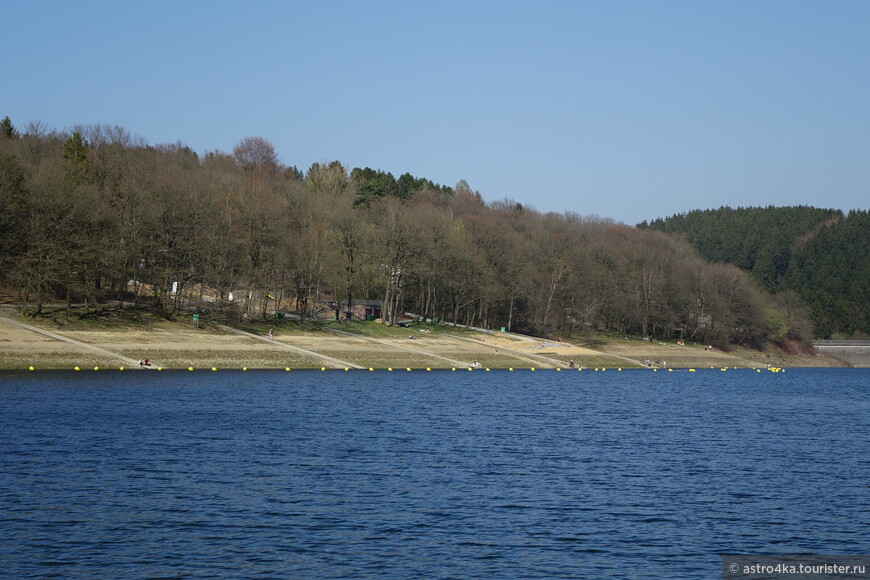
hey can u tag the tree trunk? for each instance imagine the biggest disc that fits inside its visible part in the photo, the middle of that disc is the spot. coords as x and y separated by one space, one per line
510 313
385 305
557 275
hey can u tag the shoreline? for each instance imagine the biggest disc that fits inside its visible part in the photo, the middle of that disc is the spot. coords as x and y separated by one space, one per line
178 345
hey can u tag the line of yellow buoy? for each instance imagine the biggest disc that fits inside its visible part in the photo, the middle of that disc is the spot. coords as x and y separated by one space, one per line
408 369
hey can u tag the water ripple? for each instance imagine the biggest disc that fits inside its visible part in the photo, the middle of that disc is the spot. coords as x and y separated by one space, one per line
441 475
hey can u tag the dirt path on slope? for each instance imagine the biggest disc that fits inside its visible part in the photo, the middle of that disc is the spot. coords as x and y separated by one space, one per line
457 363
578 351
83 345
330 360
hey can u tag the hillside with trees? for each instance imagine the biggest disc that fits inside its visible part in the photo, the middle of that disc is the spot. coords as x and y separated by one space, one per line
818 259
95 214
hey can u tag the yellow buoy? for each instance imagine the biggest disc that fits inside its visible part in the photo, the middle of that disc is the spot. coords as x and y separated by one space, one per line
286 368
31 368
510 368
96 368
346 368
487 369
428 369
323 368
533 368
371 369
121 368
190 368
558 369
408 369
389 368
244 368
214 368
77 368
159 368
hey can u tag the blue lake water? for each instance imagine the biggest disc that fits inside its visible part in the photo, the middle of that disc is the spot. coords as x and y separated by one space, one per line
441 474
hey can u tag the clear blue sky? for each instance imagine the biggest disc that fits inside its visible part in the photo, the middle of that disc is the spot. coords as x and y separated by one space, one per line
627 110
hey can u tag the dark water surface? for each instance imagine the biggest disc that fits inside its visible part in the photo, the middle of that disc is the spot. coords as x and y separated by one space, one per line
428 474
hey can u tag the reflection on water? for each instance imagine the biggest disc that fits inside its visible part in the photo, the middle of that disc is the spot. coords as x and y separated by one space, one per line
440 474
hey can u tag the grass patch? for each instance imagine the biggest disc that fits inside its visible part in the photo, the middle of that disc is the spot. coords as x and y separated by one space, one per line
100 318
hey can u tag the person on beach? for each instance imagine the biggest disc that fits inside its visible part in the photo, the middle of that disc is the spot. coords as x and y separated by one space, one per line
270 334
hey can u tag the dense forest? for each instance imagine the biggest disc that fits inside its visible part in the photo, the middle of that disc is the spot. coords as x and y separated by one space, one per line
822 255
95 214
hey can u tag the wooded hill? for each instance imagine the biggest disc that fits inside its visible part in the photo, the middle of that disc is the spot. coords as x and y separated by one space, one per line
822 255
96 214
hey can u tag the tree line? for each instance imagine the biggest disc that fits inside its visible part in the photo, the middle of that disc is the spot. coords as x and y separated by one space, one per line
94 213
816 257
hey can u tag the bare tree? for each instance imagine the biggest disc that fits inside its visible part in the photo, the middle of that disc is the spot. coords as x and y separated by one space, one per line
397 234
256 153
352 239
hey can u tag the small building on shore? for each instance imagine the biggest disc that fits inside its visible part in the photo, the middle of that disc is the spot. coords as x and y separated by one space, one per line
366 309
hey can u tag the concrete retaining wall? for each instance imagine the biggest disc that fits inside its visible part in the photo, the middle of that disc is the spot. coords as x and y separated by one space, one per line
854 352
